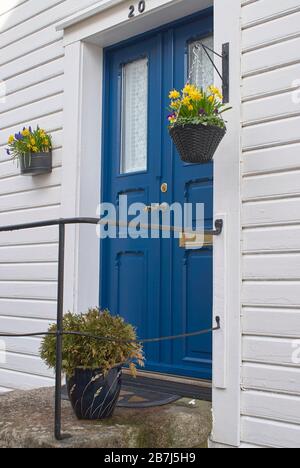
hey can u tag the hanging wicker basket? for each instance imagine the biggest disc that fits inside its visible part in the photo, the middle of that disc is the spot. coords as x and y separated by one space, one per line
197 143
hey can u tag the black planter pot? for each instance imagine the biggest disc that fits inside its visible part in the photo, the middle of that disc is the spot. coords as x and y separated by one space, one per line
197 144
94 396
36 163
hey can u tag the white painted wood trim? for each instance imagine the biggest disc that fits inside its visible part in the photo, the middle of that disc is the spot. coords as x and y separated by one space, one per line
81 171
220 289
227 181
112 26
93 10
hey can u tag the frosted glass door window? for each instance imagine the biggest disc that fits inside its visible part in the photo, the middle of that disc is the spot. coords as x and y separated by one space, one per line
134 117
203 70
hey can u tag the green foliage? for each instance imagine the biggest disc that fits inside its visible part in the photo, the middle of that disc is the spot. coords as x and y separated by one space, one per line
203 120
196 106
86 353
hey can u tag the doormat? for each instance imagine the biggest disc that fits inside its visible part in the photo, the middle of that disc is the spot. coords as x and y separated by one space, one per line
134 397
144 392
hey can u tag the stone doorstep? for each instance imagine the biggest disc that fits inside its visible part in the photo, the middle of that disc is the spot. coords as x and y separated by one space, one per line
26 421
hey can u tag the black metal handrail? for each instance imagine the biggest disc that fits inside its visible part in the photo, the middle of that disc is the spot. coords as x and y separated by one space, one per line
62 222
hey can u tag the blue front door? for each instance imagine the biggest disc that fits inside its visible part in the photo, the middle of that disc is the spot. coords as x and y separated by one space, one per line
160 287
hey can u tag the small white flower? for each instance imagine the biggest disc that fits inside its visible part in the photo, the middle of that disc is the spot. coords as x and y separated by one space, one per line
192 403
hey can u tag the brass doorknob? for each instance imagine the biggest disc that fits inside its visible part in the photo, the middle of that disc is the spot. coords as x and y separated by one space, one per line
164 187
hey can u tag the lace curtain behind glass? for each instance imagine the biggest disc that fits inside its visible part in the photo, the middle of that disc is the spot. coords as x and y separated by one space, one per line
203 70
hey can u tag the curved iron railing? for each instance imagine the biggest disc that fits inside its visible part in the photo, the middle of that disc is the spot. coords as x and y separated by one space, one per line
62 223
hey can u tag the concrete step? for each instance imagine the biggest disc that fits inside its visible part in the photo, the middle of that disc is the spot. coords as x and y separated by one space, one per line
26 421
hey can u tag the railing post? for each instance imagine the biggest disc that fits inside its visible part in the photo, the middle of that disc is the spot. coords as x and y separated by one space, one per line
59 337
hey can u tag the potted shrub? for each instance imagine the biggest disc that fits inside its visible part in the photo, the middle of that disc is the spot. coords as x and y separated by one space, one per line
94 368
196 124
33 151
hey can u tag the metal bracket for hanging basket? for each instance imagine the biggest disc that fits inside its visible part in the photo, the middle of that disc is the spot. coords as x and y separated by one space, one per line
224 75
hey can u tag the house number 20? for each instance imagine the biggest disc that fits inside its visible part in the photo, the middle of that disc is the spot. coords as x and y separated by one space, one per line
141 8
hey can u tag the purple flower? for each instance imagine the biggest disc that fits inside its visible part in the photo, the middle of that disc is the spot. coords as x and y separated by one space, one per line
30 129
19 136
202 112
216 111
8 152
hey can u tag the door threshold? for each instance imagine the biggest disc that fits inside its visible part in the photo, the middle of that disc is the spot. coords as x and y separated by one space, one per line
172 378
169 384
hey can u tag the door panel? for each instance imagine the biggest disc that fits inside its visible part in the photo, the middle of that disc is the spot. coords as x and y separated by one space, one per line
153 283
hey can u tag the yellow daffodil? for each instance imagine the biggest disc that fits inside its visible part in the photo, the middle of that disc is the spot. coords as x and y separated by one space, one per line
25 132
186 101
174 94
11 139
195 95
215 91
188 89
35 149
32 141
211 99
175 105
190 107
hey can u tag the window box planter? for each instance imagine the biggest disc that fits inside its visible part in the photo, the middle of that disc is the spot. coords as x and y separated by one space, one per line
36 163
197 144
32 149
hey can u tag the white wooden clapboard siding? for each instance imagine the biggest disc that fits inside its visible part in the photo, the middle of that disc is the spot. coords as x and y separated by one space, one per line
271 186
271 212
10 5
271 293
274 159
271 378
270 401
31 308
284 408
270 433
262 321
263 11
278 351
271 82
281 29
271 239
12 379
28 325
32 68
36 93
268 134
30 78
283 266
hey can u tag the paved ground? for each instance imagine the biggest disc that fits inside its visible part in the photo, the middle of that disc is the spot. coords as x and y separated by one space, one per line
26 421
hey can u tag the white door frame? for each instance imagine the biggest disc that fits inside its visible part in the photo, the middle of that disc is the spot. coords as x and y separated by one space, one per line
85 35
